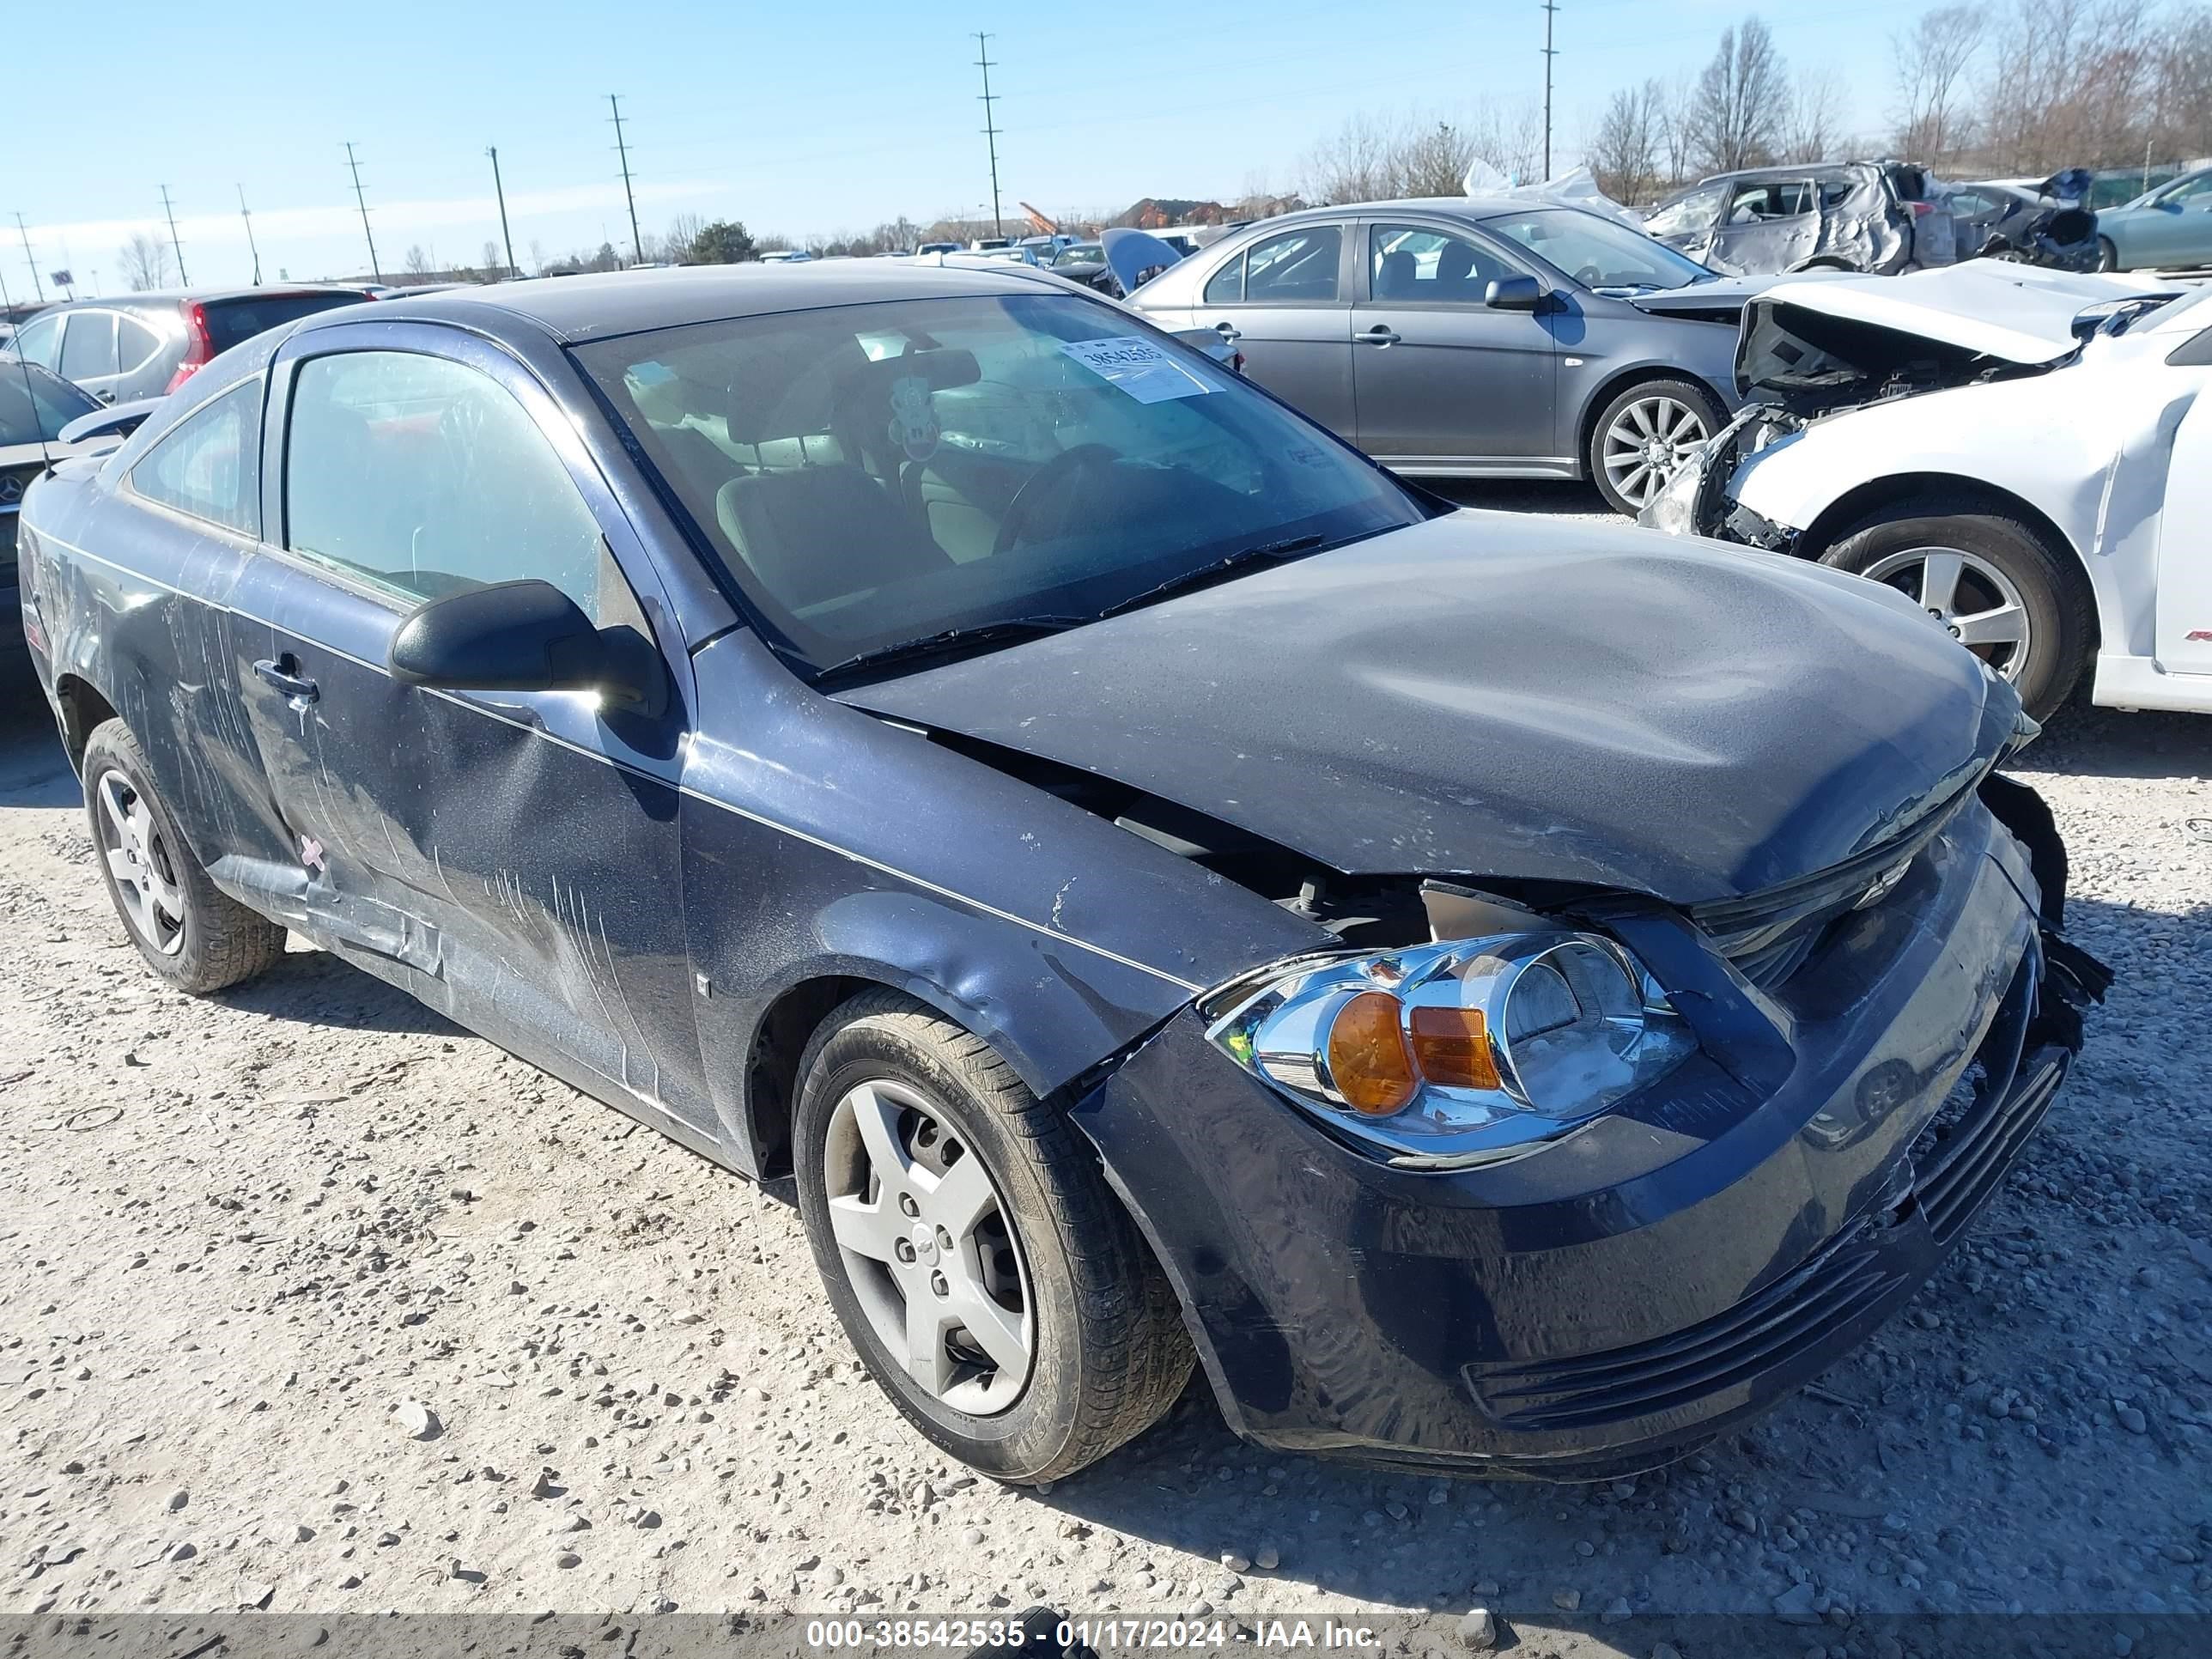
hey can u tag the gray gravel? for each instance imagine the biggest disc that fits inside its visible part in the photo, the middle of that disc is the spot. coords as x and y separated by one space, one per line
311 1301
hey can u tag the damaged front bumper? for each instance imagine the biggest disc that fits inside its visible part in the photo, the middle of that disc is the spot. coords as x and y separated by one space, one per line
1695 501
1610 1302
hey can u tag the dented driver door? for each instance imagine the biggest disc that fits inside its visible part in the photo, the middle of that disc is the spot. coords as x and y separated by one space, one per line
512 858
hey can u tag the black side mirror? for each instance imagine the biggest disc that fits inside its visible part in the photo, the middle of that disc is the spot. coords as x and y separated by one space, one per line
526 637
1513 294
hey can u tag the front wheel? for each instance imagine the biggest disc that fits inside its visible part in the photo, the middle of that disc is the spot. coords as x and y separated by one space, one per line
2108 256
1644 435
1993 580
993 1284
191 934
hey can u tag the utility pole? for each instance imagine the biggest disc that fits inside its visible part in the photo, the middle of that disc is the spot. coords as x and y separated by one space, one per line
499 191
183 281
1551 8
360 201
31 260
636 241
990 130
248 217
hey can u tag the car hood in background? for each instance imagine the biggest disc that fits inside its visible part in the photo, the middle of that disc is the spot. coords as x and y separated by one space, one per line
1130 254
1487 695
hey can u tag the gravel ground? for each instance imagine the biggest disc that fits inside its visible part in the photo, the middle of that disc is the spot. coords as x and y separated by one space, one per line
311 1301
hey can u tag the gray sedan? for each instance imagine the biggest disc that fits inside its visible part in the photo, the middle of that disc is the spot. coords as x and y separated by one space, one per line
1475 338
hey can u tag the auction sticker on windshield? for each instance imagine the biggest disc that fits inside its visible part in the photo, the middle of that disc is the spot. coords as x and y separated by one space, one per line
1136 367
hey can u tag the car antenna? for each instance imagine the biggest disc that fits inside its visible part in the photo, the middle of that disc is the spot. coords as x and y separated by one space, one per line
30 396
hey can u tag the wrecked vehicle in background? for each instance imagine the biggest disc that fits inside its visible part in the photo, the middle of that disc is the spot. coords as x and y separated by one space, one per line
2167 227
1152 880
2045 222
1873 216
2026 454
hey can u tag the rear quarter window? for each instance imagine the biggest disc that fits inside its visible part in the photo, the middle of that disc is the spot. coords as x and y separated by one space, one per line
208 466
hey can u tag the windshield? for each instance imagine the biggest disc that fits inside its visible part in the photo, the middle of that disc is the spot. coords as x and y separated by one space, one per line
871 475
1597 252
53 401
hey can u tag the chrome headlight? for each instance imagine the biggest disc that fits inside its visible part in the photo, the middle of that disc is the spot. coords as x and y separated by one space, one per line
1465 1049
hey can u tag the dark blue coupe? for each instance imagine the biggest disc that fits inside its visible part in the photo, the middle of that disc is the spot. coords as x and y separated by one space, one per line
1501 996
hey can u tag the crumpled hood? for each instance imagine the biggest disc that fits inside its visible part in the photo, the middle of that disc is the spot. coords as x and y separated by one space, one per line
1492 696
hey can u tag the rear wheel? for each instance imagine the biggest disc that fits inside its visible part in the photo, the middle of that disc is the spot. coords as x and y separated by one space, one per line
1644 435
191 934
991 1282
1989 578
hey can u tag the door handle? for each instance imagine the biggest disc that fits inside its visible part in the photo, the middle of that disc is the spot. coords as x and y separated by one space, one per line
1229 331
1378 335
281 673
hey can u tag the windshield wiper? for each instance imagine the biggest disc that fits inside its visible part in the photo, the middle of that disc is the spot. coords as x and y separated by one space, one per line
953 638
1265 553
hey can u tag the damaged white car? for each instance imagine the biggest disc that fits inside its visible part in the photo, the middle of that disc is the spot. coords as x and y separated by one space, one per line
2022 452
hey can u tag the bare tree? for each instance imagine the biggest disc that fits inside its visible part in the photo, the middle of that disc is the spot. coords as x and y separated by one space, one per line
1625 152
2181 102
537 258
145 262
1742 100
1371 158
417 263
1931 63
1353 165
1813 131
1680 129
2073 84
682 232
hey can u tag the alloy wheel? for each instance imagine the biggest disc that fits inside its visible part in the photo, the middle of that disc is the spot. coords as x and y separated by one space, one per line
927 1249
1969 596
1647 441
139 858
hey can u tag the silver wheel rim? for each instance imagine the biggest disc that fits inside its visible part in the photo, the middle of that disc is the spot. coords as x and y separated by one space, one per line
927 1249
1966 595
1646 442
139 859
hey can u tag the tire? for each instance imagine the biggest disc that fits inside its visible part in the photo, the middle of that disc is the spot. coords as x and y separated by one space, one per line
1677 415
1055 1253
2003 558
192 935
2108 256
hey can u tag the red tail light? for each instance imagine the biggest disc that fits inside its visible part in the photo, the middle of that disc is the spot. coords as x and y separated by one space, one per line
199 344
1921 209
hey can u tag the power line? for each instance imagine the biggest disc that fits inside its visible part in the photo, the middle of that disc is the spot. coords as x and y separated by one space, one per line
499 191
990 130
360 201
183 281
1551 8
246 214
636 241
31 259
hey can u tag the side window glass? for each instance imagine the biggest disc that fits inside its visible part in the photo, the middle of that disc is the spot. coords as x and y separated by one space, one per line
40 343
208 465
134 344
425 478
1685 214
89 346
1226 286
1429 267
1297 268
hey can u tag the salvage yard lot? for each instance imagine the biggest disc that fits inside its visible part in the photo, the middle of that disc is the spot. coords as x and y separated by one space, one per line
245 1238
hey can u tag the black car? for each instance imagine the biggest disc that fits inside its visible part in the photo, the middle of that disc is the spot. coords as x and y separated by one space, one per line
130 346
1506 996
35 405
2044 223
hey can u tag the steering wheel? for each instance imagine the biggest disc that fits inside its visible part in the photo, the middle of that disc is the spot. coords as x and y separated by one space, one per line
1053 474
1591 277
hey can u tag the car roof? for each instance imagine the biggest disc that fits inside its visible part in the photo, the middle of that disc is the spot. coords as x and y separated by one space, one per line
574 309
1457 207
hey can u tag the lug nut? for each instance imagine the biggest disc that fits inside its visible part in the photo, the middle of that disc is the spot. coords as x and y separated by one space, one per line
938 1285
901 1249
906 1205
944 1239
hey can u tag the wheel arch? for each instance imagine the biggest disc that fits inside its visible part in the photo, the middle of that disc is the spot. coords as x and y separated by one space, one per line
82 705
1830 523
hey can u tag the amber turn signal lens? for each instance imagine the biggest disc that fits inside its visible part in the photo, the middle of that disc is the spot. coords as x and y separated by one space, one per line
1367 1057
1452 1046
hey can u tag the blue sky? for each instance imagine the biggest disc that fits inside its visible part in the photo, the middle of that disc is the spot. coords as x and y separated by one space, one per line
795 119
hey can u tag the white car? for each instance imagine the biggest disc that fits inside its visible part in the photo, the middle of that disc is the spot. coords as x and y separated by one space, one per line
2023 451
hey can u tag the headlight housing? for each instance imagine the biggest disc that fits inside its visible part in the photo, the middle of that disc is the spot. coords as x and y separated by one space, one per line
1464 1050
